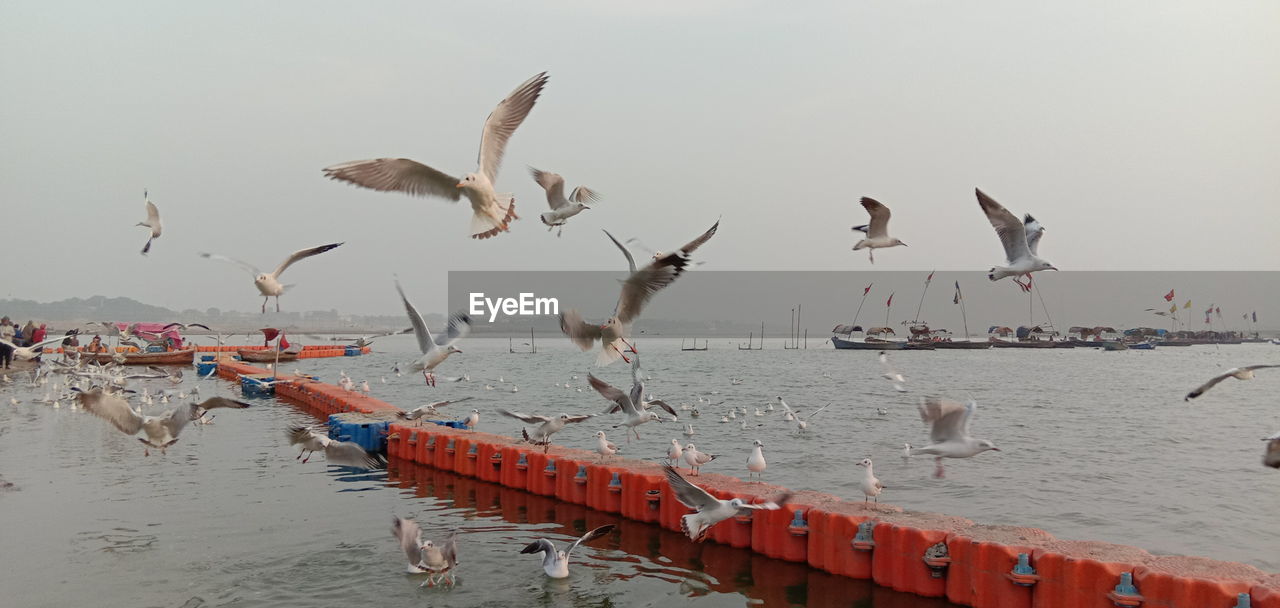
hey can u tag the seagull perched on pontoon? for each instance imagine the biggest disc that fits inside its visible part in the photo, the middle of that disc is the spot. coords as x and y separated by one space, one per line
710 510
877 232
437 561
547 425
269 285
949 431
491 210
434 349
556 563
1239 373
561 208
1020 239
637 289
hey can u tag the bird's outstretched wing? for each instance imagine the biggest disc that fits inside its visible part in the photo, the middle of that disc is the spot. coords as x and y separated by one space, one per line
250 268
110 408
502 123
398 175
620 399
948 419
420 331
409 533
1034 231
879 226
589 536
302 254
1012 233
582 333
553 184
525 418
688 494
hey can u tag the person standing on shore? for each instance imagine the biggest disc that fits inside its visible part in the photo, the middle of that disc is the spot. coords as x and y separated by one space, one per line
7 334
28 331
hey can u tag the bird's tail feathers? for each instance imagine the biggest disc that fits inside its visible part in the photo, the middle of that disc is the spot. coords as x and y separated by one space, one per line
484 225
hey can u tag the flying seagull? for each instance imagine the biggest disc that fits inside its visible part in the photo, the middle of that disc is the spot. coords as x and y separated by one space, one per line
435 349
949 431
27 353
161 431
627 404
547 425
435 560
710 510
556 563
492 211
153 222
269 284
340 453
428 409
1020 240
562 208
1239 373
877 232
637 289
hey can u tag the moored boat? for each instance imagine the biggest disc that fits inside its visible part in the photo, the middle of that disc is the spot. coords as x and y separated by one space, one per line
173 357
1114 345
869 344
960 345
267 356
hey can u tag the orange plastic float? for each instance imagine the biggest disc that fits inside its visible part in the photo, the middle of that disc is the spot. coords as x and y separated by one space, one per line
910 552
1081 574
1179 580
983 563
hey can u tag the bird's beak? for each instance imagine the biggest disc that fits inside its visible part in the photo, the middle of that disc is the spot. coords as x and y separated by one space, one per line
585 207
1053 268
457 352
903 244
995 449
458 185
604 326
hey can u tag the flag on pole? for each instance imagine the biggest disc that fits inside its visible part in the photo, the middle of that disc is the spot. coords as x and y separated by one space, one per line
956 300
284 344
930 277
1245 316
1255 316
1217 310
1187 305
890 300
1168 297
1173 309
867 290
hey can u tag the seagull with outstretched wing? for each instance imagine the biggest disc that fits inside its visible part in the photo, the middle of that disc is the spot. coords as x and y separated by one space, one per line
491 211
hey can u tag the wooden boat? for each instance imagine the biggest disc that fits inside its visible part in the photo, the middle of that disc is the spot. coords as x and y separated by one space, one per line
1114 345
1023 344
960 345
266 356
869 344
173 357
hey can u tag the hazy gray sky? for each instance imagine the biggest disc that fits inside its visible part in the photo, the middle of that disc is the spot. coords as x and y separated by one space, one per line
1142 135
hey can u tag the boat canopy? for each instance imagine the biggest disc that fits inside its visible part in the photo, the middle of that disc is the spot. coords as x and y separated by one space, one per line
154 331
846 329
881 330
999 330
1024 331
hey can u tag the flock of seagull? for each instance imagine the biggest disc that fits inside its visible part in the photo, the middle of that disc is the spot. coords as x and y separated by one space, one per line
104 395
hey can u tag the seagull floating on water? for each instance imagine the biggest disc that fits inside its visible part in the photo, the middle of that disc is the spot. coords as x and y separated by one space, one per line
710 510
1239 373
556 563
269 285
1020 240
877 232
949 431
491 211
435 560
